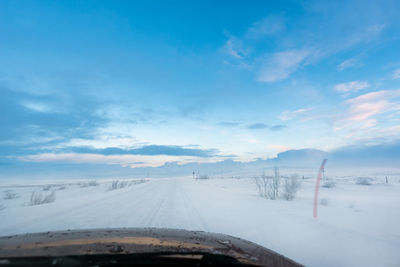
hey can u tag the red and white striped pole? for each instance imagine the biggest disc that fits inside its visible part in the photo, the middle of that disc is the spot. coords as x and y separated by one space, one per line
321 170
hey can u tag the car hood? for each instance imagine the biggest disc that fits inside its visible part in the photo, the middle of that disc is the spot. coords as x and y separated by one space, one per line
137 240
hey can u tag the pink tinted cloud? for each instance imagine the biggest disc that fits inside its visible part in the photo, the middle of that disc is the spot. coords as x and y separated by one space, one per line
368 105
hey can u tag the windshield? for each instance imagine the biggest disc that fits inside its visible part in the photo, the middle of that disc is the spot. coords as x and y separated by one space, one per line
273 121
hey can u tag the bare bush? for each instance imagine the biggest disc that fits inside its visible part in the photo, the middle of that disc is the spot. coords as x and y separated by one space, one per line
50 197
138 181
291 186
90 183
47 188
268 186
329 183
10 195
364 180
203 176
116 184
275 183
324 202
38 199
262 184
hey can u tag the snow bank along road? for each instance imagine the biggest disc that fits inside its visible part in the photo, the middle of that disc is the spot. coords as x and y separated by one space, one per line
358 226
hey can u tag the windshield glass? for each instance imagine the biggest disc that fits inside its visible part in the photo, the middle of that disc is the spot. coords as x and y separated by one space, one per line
273 121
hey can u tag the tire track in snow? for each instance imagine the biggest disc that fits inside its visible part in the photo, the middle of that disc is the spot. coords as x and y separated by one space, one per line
157 203
162 212
154 208
134 208
193 215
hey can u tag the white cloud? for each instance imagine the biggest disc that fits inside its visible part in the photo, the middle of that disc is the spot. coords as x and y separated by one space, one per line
234 48
396 74
103 141
253 141
363 107
353 86
352 62
280 148
361 36
123 160
374 30
363 113
266 26
291 114
282 64
36 106
368 115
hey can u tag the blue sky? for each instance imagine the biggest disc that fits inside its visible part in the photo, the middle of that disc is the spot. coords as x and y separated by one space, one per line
145 83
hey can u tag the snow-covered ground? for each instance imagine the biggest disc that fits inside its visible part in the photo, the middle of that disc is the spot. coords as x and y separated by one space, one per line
357 225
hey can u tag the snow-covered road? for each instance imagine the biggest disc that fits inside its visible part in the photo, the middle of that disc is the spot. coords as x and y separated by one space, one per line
157 203
357 228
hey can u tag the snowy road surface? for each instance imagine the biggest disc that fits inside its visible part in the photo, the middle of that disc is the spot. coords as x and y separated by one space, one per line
357 228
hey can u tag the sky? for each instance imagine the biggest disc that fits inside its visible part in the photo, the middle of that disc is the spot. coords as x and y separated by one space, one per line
145 83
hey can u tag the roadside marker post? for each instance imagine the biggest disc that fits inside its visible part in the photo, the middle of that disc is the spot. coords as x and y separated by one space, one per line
321 170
